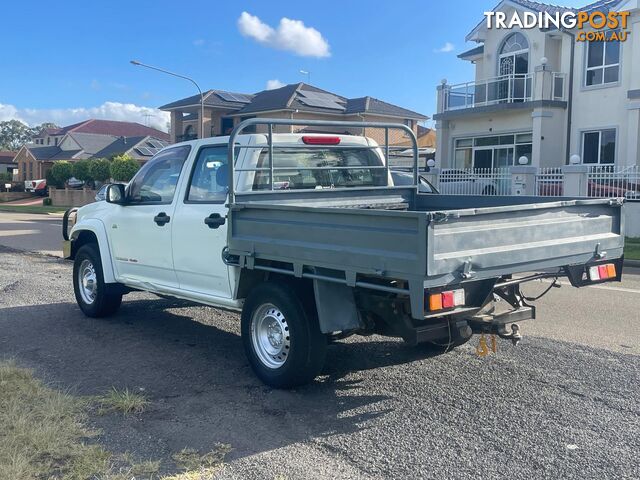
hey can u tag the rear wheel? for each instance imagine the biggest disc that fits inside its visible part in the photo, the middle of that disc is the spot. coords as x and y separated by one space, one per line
281 336
93 295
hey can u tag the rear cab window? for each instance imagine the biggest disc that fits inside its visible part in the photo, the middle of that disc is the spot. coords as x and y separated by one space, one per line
306 168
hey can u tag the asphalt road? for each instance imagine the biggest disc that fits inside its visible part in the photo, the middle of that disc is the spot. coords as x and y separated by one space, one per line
32 232
563 404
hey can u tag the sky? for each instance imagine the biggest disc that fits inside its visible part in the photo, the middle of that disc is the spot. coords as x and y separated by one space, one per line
69 61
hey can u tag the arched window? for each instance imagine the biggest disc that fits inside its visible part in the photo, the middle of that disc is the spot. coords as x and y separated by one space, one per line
515 42
189 133
514 55
514 85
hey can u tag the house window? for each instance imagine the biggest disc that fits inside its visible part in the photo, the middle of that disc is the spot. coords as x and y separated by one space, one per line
497 151
599 146
603 62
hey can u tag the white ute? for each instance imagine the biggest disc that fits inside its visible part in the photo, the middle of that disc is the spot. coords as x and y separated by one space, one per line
309 238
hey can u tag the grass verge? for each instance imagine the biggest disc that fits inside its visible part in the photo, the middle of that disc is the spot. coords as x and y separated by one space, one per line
43 435
632 248
31 209
124 401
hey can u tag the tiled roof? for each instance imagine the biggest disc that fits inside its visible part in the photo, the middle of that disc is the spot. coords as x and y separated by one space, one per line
276 99
212 98
6 157
600 5
292 97
108 127
94 145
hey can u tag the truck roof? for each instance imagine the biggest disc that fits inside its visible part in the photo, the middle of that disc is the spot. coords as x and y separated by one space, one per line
281 138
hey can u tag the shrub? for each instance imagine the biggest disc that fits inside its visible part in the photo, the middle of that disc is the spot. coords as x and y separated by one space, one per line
123 168
59 174
46 202
82 170
100 170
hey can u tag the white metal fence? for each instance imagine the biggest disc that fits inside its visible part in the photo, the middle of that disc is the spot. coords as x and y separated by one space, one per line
475 181
609 181
549 182
598 181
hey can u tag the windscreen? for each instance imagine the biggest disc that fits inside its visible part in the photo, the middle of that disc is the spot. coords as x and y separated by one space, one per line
306 168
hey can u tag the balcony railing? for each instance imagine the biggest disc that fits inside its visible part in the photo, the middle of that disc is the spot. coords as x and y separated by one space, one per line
186 137
515 88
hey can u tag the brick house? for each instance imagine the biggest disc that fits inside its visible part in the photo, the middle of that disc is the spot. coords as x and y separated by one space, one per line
85 140
223 110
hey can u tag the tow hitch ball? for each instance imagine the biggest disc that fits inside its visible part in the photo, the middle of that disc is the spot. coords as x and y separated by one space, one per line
515 336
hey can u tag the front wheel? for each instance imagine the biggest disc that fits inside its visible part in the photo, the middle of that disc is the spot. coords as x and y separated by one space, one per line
92 293
281 336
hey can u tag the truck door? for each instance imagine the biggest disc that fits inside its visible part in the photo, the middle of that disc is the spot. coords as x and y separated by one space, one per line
200 230
140 231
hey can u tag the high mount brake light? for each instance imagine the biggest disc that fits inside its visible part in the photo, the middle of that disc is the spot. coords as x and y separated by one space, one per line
602 272
445 300
309 140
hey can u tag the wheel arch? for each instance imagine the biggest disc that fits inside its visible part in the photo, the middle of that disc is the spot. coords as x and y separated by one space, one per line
93 231
334 304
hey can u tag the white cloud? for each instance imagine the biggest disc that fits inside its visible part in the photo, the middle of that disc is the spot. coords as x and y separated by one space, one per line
108 111
446 48
275 83
198 42
291 35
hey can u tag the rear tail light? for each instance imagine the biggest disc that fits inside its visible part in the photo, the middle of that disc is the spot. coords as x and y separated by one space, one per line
446 300
602 272
309 140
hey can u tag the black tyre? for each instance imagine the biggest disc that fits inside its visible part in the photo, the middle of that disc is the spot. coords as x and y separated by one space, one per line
281 337
95 298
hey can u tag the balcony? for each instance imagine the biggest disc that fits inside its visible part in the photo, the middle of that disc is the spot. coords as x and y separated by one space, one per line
514 88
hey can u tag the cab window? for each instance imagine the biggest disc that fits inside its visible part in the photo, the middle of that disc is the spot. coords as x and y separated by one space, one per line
210 177
156 182
304 168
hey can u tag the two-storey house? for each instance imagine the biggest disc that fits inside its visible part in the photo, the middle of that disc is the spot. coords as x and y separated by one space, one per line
545 94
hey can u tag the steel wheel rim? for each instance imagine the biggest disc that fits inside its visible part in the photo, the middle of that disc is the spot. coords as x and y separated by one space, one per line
270 336
87 282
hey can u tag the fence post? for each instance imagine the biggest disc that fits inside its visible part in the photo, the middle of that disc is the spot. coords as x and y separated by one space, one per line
432 176
576 180
523 180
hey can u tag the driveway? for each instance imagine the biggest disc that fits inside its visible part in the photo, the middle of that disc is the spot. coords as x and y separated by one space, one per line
563 404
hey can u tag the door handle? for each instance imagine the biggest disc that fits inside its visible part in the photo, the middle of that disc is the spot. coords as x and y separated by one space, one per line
214 220
161 219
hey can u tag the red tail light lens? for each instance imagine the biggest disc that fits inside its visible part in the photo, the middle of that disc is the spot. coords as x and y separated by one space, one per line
444 300
602 272
308 140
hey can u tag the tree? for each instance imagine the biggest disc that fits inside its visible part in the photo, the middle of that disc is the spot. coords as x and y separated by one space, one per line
82 170
14 134
123 168
59 174
100 170
5 178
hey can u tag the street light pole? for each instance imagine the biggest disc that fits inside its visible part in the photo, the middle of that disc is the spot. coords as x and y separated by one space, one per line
140 64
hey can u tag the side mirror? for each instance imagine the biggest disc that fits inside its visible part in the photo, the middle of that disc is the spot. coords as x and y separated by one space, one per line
116 194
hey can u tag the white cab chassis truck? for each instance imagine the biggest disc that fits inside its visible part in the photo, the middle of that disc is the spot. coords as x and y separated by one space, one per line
306 235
